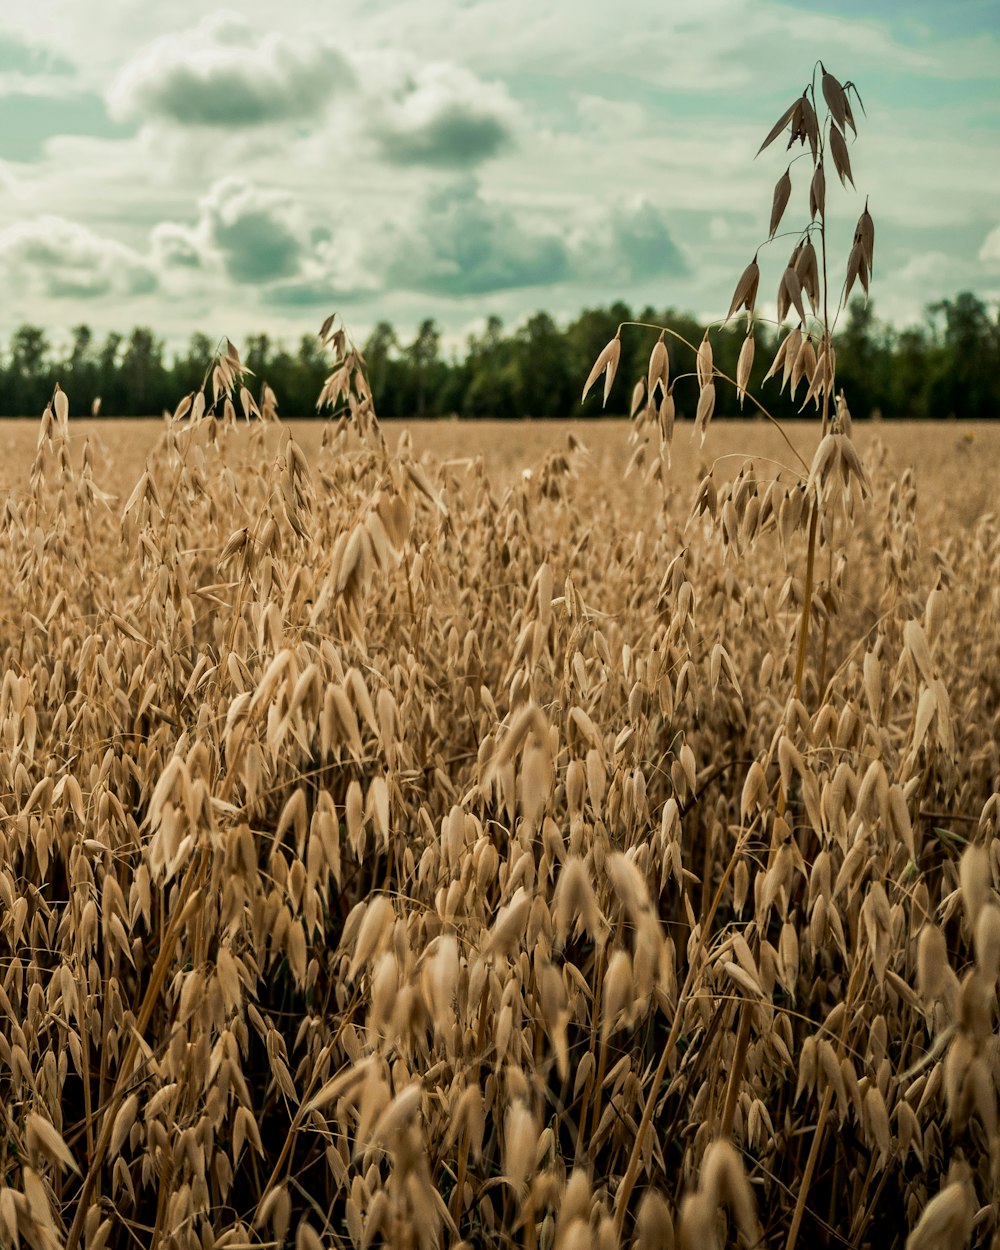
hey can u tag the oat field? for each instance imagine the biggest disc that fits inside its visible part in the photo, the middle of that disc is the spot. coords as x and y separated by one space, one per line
403 848
569 838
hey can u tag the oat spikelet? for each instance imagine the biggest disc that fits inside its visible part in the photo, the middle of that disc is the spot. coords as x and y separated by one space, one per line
946 1222
607 363
782 191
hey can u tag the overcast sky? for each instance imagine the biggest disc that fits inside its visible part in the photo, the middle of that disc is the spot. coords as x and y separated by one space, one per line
256 166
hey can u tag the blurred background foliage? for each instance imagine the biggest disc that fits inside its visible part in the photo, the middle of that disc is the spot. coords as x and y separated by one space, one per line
946 367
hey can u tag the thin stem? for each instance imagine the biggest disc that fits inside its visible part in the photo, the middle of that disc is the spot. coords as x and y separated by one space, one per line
827 341
188 895
632 1167
826 620
824 1111
647 325
800 658
736 1075
595 1025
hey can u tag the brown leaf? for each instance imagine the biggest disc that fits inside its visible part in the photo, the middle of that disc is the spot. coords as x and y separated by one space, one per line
807 268
793 345
743 367
745 294
706 406
849 115
779 359
865 234
803 121
855 268
818 380
836 98
782 190
790 295
848 87
638 395
805 364
704 365
817 192
848 111
42 1137
810 125
607 360
841 158
779 126
666 416
659 369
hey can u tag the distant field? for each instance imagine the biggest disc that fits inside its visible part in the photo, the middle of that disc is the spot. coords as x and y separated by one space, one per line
957 465
392 844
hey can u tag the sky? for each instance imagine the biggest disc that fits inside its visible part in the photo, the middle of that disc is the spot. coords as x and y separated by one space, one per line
257 166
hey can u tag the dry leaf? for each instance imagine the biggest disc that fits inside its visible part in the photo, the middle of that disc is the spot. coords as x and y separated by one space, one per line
836 98
743 367
817 193
841 157
606 361
779 126
782 190
745 294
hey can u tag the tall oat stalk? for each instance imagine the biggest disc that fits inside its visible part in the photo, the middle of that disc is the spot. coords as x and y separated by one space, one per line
819 121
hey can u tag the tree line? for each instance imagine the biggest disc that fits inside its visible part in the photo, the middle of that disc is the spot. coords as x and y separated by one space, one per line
948 366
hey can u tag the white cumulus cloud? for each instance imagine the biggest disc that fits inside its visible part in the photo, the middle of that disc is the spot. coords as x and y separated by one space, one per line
434 112
224 73
53 257
989 253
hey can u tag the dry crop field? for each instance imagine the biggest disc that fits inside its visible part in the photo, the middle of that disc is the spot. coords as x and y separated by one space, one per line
400 852
957 465
401 849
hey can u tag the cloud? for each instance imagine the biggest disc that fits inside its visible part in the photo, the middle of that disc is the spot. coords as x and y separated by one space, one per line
223 73
611 118
347 264
438 114
624 242
263 238
465 245
29 119
175 247
634 243
56 258
560 112
249 233
989 253
306 293
18 56
936 268
258 233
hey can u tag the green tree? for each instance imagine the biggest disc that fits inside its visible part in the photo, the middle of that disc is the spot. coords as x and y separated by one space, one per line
908 374
547 387
142 373
423 355
79 370
587 336
258 355
863 360
964 373
80 351
28 382
29 351
189 370
378 352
